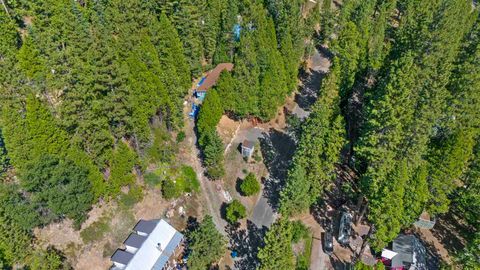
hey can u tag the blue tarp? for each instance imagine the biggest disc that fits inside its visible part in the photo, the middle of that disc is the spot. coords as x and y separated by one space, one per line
201 81
194 112
237 30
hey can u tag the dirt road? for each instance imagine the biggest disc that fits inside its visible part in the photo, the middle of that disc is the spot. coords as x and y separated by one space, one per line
319 260
213 198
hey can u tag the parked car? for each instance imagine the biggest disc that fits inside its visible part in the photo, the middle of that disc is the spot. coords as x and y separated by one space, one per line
345 228
328 242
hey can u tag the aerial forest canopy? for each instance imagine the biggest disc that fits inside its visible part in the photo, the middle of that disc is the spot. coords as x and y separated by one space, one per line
404 91
83 83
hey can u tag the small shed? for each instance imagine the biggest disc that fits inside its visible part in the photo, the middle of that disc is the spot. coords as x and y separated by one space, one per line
247 148
425 221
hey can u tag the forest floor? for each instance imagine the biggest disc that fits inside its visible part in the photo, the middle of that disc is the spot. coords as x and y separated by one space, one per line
446 238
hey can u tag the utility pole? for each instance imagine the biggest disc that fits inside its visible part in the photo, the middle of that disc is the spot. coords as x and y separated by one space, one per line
5 7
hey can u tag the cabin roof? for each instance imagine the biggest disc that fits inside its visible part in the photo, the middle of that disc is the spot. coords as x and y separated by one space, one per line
213 75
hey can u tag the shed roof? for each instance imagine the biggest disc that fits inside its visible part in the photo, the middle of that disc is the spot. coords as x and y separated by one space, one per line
213 75
122 257
248 144
135 240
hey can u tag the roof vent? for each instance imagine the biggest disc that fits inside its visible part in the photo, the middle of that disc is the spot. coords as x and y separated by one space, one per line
159 247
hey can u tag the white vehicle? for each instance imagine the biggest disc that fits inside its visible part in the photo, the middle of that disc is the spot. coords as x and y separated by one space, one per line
345 228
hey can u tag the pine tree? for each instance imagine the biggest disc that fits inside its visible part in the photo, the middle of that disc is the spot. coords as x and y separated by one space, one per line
318 150
206 245
277 252
327 21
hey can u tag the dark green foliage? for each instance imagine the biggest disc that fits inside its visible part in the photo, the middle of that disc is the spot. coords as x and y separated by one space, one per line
447 163
466 199
192 183
122 162
299 231
58 185
209 141
469 257
15 242
48 259
186 181
206 245
180 137
250 185
213 152
235 211
277 252
327 21
210 113
17 208
170 189
407 140
321 139
4 160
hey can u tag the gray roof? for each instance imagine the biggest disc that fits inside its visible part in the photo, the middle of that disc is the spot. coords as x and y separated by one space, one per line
248 144
145 226
168 251
411 252
122 257
135 240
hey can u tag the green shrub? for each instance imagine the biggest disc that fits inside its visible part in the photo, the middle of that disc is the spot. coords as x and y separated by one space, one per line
250 185
152 179
96 230
162 149
122 162
134 195
191 181
303 259
181 137
235 211
299 231
171 190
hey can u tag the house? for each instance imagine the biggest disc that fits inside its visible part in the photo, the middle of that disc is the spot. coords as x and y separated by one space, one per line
410 253
247 148
211 79
153 245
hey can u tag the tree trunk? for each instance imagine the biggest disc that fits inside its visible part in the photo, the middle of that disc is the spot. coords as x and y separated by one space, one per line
363 209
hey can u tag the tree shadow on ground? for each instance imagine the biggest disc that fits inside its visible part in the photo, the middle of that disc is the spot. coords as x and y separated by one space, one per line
312 80
450 232
338 264
308 92
246 243
238 183
432 256
277 149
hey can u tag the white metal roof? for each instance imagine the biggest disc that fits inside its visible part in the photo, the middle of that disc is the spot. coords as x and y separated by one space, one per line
148 254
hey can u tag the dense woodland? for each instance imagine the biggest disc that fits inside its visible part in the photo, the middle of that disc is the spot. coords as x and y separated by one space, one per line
83 85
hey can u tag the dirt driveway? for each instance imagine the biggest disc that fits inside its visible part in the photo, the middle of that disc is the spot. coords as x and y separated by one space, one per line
319 260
